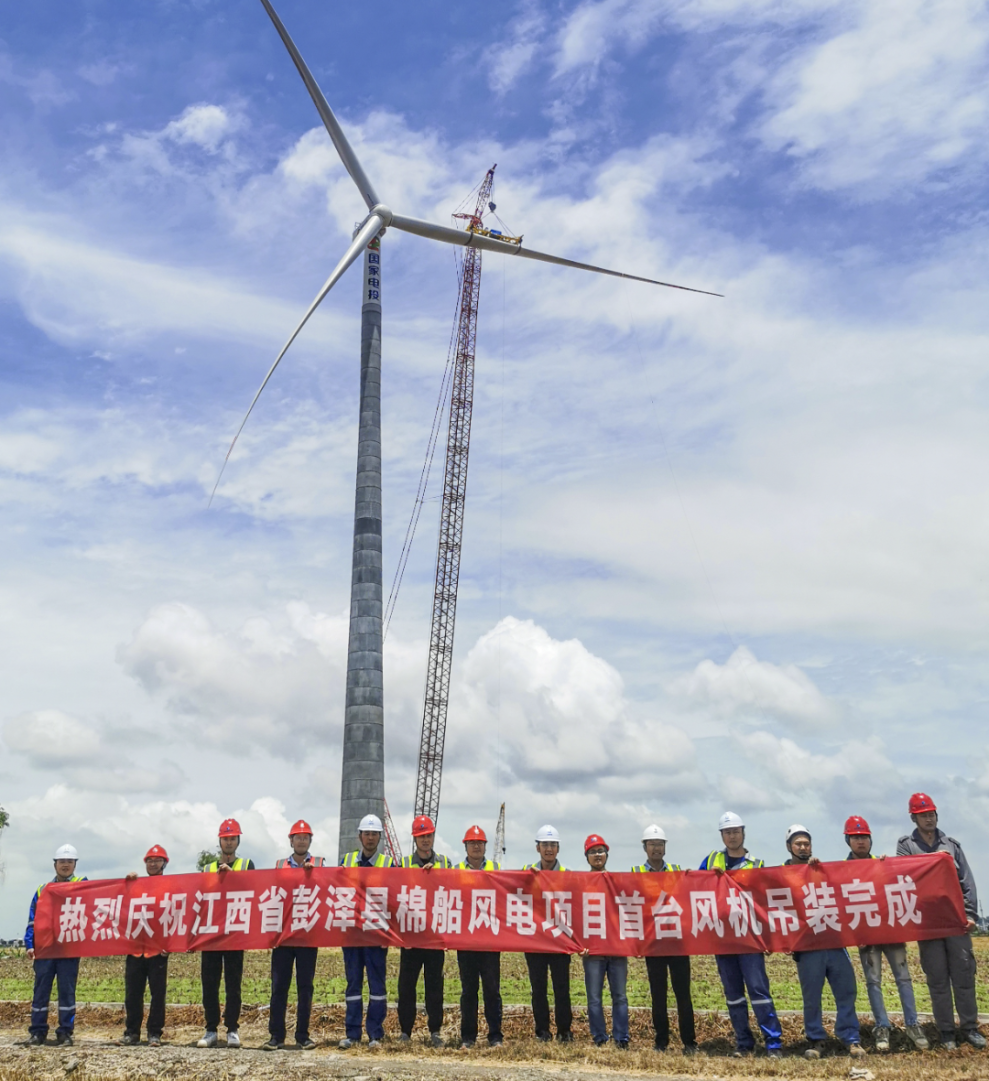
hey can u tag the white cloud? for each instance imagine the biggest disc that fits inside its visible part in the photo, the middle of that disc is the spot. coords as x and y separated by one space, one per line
88 757
745 686
891 100
557 716
525 40
202 125
857 778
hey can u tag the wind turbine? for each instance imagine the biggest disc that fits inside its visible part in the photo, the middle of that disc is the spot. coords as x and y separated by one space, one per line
362 785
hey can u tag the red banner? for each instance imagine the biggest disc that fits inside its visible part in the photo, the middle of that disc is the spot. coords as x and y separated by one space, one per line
773 909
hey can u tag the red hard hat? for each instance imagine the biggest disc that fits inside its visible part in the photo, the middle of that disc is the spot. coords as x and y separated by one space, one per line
230 827
302 826
475 833
921 802
422 826
593 841
856 826
156 852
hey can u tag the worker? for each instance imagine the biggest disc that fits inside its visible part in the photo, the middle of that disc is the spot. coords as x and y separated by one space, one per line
479 966
543 965
816 966
858 837
743 972
948 963
63 970
358 959
657 967
302 957
228 964
414 960
148 969
597 967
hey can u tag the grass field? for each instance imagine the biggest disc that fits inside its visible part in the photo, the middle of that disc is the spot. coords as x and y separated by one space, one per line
102 980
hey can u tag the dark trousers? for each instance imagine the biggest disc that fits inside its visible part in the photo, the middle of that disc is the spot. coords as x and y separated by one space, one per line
484 968
949 965
557 965
141 972
430 963
66 971
230 964
357 960
679 976
282 960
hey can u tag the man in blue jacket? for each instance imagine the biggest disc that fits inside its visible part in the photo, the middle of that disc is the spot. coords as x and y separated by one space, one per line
63 969
741 971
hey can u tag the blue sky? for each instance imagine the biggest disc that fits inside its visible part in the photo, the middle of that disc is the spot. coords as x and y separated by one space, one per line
719 553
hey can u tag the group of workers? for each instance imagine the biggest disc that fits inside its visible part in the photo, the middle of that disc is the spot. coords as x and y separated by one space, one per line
948 963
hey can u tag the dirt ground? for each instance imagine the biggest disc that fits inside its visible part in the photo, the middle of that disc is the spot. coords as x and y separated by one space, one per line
95 1055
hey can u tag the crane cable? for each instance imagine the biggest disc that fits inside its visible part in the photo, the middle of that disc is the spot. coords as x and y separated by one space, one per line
427 465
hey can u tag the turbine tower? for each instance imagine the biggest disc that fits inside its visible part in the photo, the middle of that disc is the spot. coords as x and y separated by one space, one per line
363 784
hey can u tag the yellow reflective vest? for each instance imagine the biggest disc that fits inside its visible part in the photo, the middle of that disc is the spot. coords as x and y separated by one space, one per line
438 861
353 859
239 864
666 867
488 865
718 860
317 861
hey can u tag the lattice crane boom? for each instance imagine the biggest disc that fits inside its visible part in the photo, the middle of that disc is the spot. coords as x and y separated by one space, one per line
440 660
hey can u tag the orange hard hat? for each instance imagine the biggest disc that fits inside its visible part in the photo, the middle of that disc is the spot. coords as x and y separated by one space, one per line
230 827
422 826
475 833
302 826
920 802
593 841
156 852
856 826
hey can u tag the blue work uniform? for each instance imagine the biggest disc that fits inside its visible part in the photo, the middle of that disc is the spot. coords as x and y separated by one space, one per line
283 958
741 972
360 959
64 970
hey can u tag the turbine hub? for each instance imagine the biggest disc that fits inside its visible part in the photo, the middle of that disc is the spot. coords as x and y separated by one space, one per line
383 212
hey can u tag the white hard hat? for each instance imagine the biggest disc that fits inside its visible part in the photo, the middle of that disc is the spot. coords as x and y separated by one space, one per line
794 830
548 833
653 833
371 823
66 852
729 820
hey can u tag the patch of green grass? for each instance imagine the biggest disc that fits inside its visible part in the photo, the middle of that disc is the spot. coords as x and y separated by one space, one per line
101 979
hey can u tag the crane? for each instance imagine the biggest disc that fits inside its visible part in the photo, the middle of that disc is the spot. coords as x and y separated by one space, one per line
392 846
440 660
499 852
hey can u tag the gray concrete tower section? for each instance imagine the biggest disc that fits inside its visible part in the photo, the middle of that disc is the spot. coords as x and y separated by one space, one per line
362 787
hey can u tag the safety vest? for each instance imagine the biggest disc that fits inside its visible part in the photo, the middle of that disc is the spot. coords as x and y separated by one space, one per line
353 859
718 860
317 861
488 865
238 865
668 867
74 878
538 867
438 861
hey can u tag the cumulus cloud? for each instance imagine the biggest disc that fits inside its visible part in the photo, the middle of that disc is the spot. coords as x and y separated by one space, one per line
559 716
264 685
745 686
201 125
858 776
87 756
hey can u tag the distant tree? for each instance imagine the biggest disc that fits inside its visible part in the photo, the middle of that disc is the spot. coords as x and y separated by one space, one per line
206 857
4 819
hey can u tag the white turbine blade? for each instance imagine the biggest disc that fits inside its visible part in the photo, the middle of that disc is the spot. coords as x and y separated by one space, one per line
466 239
344 149
367 231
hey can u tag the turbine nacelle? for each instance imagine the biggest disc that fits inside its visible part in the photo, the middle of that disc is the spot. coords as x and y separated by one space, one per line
380 217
